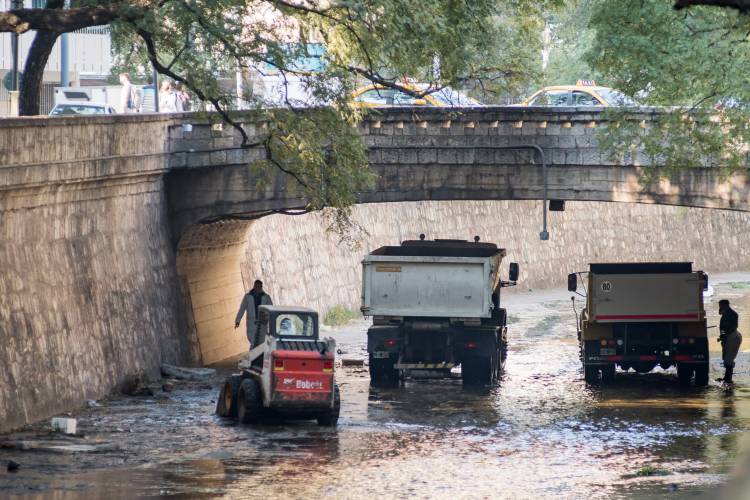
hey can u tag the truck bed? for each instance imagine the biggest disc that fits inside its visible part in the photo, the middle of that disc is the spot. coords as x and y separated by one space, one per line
428 286
651 297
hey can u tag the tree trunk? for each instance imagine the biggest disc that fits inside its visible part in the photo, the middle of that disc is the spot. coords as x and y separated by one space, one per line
33 73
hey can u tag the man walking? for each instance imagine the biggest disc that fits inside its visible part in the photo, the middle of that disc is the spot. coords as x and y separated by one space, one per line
250 303
730 339
128 97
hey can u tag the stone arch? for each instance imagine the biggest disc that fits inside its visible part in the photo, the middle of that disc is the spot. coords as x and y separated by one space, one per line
209 267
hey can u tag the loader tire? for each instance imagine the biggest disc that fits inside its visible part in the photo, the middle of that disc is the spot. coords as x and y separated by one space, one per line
249 402
332 418
226 405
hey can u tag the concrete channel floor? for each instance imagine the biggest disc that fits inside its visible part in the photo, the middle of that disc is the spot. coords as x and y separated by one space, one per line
540 433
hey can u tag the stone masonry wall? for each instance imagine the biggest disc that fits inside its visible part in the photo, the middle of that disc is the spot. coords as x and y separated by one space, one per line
308 267
88 285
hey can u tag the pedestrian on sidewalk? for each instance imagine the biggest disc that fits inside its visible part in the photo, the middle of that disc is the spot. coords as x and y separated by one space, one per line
250 303
128 96
169 101
730 339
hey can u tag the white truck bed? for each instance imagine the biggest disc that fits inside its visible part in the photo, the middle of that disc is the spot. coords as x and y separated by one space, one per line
428 286
652 297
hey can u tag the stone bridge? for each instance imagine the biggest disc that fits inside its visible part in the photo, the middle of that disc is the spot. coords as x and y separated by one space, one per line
443 154
109 268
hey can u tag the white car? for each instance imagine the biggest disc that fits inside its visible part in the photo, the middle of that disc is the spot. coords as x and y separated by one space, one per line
81 109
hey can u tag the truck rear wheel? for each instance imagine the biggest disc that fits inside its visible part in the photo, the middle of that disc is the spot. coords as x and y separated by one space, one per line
382 372
608 374
332 418
684 373
226 405
249 402
591 374
701 375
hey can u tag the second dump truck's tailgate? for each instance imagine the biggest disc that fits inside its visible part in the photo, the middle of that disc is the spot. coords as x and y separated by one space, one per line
427 286
646 297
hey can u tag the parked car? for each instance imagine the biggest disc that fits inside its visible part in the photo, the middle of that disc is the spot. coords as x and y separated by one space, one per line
378 95
81 109
583 93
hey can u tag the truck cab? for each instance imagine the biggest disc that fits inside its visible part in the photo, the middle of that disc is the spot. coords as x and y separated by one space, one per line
289 374
435 305
642 315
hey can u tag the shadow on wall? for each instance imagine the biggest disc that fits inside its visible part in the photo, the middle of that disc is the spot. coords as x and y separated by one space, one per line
209 263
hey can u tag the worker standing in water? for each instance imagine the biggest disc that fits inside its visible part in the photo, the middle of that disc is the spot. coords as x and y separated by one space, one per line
250 303
730 339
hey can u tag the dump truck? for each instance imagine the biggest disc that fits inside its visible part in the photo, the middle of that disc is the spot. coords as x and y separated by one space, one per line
288 375
642 315
435 305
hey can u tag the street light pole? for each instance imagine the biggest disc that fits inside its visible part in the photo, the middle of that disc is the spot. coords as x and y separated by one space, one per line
15 4
64 59
155 78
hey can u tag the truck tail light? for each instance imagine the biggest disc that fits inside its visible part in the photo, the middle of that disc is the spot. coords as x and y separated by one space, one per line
278 365
391 342
471 345
327 366
611 342
691 340
603 342
675 340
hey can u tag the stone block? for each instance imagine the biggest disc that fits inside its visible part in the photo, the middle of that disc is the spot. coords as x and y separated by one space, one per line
566 142
177 160
447 156
427 155
198 160
464 156
553 128
218 158
579 128
389 156
531 128
407 156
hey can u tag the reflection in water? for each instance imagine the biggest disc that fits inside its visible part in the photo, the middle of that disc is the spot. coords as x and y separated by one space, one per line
541 432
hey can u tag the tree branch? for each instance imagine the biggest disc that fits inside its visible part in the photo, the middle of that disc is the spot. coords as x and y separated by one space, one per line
151 50
741 5
64 21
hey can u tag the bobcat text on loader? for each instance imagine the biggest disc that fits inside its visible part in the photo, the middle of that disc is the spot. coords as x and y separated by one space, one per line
435 305
289 375
640 315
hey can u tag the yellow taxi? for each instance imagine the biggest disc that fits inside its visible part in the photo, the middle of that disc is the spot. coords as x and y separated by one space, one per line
583 93
377 95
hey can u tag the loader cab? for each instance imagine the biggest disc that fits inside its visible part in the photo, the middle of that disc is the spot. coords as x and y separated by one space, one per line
288 323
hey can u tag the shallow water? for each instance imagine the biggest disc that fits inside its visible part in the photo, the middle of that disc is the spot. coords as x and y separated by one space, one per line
540 433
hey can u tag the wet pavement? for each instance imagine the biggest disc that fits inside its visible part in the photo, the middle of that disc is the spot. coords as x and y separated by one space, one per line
540 433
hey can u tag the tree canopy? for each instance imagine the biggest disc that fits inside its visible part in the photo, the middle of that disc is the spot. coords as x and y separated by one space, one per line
490 46
692 63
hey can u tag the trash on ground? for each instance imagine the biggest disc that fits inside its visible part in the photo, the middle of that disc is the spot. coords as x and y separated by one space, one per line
13 466
183 373
64 425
